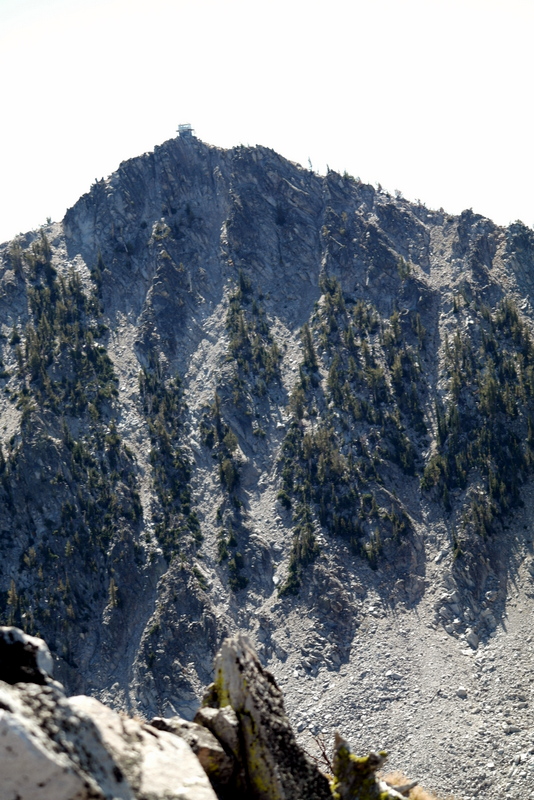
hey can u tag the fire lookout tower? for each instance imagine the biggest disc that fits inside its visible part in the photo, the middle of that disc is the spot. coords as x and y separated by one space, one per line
185 130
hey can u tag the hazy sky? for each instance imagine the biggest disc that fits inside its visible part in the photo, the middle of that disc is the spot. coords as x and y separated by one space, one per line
432 97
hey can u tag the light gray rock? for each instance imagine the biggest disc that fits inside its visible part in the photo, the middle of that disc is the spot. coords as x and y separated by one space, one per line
58 748
224 725
403 788
29 770
38 736
509 727
216 762
471 638
157 763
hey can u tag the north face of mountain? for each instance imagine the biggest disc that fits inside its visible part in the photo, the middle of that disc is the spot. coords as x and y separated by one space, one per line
237 395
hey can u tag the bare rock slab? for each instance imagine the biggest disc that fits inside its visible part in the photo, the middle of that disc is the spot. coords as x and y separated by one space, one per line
276 767
58 748
157 764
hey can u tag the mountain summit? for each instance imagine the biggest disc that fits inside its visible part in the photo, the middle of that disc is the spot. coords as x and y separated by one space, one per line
240 396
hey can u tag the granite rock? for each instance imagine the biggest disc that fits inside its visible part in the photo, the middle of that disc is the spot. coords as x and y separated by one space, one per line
275 766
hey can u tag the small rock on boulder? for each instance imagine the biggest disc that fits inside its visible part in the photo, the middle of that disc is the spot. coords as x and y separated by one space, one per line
216 762
224 725
23 658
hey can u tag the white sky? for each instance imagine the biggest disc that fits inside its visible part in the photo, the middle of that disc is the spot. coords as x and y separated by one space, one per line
432 97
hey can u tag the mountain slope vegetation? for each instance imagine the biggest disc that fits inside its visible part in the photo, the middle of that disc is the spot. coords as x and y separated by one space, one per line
230 385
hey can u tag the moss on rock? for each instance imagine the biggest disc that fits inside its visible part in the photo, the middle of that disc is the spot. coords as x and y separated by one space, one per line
355 777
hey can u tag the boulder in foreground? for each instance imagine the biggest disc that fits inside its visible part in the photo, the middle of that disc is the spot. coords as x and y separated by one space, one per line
58 748
275 766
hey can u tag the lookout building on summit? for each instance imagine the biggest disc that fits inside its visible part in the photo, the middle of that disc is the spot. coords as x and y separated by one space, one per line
185 130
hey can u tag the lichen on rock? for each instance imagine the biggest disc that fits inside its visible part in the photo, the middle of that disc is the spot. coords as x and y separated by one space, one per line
355 777
274 765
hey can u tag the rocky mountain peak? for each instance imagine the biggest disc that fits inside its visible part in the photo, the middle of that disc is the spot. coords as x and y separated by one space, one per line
240 396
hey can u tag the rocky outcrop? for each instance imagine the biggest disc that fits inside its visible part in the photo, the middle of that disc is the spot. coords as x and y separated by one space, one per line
355 777
23 658
57 748
260 736
275 766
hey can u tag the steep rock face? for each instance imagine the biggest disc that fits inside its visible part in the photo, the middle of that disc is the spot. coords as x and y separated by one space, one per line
275 765
238 395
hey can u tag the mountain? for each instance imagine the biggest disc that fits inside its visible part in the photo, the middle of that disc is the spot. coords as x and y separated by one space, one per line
239 396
